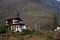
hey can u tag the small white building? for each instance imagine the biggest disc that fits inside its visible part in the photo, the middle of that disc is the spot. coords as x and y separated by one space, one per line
57 29
15 24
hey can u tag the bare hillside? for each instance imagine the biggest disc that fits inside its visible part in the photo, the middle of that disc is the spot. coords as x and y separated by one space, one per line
32 14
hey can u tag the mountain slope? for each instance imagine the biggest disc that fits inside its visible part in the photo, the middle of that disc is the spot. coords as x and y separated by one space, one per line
32 14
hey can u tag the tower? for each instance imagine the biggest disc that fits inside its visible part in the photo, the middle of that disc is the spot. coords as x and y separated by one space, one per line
18 15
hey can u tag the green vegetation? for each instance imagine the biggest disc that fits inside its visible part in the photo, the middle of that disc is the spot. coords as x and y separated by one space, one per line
27 31
55 24
3 28
49 36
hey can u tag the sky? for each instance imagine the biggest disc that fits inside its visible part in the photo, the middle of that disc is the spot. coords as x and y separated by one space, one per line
58 0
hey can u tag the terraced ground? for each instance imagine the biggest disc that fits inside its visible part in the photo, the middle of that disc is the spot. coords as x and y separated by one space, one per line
33 14
43 36
26 37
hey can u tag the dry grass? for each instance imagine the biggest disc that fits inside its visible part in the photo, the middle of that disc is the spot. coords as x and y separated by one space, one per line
28 37
25 37
36 37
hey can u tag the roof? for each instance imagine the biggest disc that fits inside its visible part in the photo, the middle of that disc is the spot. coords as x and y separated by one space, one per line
19 24
14 19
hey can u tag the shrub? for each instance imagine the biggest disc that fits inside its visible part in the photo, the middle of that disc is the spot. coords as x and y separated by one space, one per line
27 31
33 30
3 28
49 36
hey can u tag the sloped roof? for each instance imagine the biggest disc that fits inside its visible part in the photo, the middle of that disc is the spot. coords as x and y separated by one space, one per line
19 24
14 19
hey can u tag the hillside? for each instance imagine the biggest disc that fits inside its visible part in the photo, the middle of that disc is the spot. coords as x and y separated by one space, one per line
36 14
32 13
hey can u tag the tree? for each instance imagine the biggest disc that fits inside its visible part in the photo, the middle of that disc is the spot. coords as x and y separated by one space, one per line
55 24
3 28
